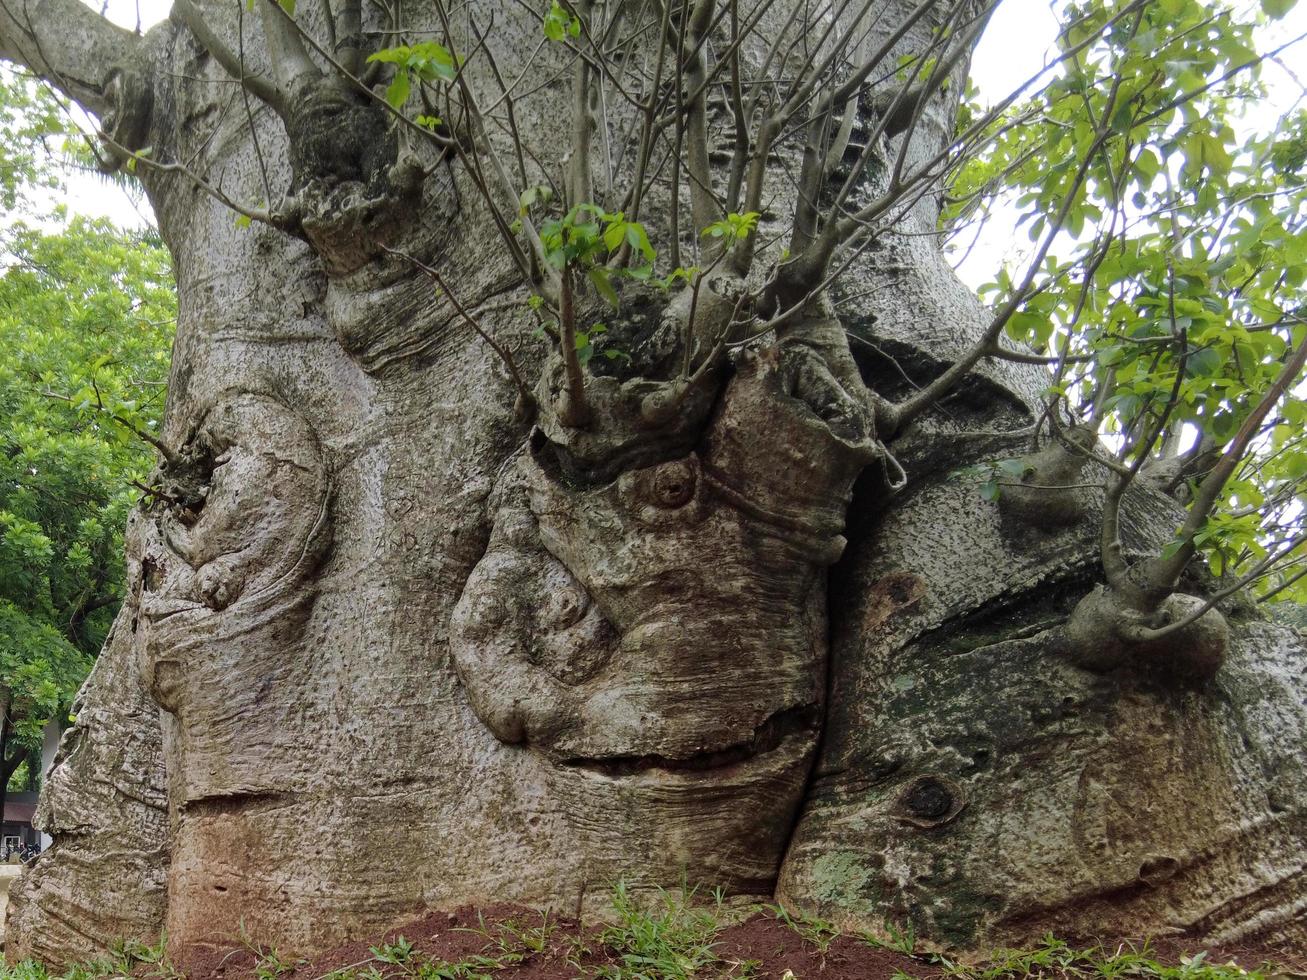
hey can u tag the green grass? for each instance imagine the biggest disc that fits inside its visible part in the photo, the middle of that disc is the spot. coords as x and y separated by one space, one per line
1055 958
674 940
268 963
127 958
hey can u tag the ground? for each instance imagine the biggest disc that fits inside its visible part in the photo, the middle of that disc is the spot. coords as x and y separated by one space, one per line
678 940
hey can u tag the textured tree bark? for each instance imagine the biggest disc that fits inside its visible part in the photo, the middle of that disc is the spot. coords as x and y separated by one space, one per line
105 804
393 647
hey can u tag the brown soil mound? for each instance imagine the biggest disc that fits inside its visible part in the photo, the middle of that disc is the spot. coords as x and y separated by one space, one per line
522 944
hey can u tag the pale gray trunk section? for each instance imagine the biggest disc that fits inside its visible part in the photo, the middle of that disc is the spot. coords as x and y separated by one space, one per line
983 790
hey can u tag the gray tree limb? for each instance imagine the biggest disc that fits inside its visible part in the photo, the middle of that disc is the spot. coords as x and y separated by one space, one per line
66 43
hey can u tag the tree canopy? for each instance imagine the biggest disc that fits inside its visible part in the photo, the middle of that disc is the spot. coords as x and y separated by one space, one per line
86 316
1166 285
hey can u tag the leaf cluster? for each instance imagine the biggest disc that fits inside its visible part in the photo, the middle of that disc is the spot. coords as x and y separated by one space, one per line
1173 257
87 315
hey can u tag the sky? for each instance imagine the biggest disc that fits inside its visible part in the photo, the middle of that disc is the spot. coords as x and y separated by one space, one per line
1015 46
1021 36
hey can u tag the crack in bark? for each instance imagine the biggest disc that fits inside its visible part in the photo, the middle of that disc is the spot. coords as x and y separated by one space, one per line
239 802
767 737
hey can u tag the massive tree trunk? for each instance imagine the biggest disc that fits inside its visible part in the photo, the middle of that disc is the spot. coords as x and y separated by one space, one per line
395 642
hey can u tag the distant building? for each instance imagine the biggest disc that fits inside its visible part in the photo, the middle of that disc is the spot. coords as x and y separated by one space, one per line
20 808
17 826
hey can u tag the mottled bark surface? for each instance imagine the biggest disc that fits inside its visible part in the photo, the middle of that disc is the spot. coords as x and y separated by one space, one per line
980 764
396 647
106 806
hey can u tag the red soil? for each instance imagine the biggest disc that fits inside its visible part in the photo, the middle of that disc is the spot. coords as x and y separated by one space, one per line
760 947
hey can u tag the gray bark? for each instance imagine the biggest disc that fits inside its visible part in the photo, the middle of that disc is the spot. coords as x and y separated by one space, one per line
397 648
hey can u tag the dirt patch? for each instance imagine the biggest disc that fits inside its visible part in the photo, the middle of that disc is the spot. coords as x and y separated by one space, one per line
513 942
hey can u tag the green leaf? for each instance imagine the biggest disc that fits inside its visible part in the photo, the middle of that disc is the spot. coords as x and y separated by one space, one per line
614 235
603 285
1014 469
532 196
1205 363
1171 549
733 226
398 90
559 23
639 240
1277 9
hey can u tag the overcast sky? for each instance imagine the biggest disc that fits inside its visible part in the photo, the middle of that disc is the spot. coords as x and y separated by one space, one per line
1015 46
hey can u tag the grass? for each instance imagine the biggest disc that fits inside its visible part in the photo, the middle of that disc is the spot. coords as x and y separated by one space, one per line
673 940
817 933
268 963
127 958
1055 958
676 937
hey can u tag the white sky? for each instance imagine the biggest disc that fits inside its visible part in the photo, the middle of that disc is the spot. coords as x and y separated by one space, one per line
1019 39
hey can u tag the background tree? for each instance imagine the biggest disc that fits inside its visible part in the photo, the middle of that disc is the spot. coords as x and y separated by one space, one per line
522 464
86 314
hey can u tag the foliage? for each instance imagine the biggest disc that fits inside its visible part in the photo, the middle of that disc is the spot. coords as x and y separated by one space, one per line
585 236
87 317
560 23
1169 259
425 62
1054 957
127 958
29 120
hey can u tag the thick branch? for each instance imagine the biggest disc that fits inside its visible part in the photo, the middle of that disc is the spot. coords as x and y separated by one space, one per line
1166 572
294 68
66 43
703 207
349 37
186 12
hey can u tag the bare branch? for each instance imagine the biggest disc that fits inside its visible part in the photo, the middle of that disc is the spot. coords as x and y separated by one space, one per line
290 59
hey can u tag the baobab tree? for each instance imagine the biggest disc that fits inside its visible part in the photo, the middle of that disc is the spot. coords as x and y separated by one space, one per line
560 481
